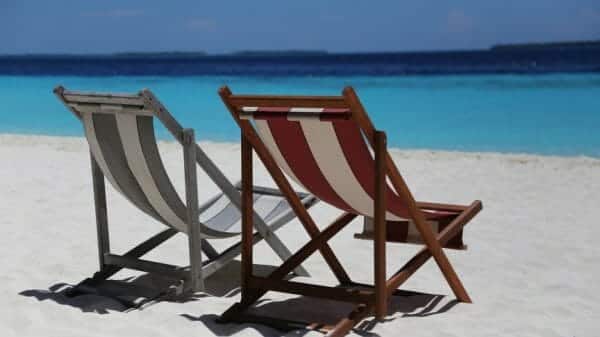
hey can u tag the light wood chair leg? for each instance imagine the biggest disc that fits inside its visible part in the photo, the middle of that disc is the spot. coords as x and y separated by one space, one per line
191 192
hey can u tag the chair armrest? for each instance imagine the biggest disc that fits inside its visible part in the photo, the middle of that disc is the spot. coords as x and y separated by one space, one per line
441 207
270 191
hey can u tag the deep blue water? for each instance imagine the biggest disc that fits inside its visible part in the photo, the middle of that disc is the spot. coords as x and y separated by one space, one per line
375 64
532 102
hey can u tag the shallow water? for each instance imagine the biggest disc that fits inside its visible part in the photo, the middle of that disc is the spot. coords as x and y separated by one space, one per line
545 114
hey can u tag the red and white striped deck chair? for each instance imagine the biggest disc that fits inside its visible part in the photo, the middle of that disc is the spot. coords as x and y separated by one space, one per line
328 145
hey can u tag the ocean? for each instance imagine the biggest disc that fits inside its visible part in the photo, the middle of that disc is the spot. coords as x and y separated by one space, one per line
540 102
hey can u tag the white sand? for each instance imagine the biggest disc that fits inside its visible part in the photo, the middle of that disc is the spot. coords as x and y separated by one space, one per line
532 267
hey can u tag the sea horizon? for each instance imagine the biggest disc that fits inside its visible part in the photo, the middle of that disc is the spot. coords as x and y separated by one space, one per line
510 101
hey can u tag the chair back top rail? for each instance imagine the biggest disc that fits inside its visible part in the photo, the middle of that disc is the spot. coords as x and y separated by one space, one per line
109 108
294 113
103 98
239 101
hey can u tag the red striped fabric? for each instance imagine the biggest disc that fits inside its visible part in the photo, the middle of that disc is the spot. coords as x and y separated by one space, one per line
363 165
293 145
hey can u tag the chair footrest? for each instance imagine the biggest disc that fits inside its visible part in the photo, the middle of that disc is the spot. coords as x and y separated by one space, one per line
406 232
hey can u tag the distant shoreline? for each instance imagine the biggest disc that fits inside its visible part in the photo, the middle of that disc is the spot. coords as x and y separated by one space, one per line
558 45
547 45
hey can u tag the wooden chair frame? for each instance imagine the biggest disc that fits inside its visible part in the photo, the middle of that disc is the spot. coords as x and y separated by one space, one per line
194 275
369 299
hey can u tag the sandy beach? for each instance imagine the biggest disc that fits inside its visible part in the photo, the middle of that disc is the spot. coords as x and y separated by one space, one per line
531 267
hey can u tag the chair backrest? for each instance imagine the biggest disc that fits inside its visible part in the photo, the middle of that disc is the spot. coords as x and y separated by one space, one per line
323 144
319 143
120 132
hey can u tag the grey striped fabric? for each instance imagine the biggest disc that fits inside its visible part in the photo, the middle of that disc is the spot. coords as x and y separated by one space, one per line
124 145
106 142
226 217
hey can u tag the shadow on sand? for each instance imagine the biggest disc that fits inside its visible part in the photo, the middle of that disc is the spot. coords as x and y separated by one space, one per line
131 293
127 293
407 304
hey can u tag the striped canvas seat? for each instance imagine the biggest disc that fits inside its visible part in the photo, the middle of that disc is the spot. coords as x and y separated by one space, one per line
124 136
127 141
324 151
223 218
119 129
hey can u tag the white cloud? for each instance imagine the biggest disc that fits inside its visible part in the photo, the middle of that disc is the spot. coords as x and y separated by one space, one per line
590 15
201 24
116 13
458 21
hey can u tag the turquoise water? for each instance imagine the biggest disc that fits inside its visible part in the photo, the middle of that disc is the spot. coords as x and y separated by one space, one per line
544 114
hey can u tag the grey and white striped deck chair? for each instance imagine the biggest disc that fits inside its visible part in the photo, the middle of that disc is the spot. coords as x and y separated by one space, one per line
120 133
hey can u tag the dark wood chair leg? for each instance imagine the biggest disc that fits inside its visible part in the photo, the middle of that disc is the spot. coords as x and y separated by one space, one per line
247 219
381 297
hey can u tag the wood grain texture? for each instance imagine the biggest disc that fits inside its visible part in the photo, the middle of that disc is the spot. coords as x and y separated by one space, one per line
247 219
380 231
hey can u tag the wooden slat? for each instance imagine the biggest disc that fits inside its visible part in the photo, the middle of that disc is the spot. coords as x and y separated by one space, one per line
239 101
94 93
134 101
343 294
109 109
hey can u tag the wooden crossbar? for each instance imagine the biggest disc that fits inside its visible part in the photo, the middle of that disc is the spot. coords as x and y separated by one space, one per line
345 294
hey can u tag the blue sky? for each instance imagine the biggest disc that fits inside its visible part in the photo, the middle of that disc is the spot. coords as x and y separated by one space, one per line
86 26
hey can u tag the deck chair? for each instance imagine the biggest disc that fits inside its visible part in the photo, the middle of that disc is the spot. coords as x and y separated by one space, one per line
324 143
120 132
